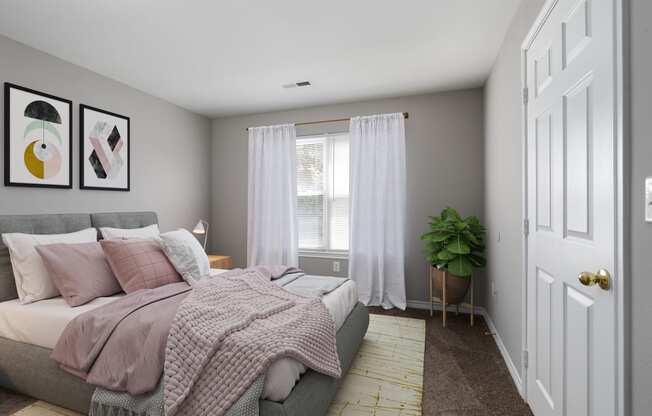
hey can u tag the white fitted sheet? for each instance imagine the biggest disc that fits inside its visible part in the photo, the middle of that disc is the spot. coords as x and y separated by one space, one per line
42 323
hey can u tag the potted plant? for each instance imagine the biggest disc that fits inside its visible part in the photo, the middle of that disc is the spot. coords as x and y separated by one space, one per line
455 245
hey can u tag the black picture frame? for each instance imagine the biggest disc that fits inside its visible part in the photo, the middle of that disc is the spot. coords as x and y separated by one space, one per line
7 137
82 141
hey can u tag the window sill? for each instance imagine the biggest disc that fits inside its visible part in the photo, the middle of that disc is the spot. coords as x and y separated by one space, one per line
324 254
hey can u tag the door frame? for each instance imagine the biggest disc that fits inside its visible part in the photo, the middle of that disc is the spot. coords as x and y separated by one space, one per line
622 156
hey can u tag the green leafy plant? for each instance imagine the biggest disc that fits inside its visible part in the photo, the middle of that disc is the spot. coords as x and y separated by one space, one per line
454 243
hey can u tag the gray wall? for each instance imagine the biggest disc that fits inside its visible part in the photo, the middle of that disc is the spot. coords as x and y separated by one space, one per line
444 167
640 33
169 146
502 180
324 267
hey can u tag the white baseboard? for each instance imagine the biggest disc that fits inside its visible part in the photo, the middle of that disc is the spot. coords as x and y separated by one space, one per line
503 351
466 308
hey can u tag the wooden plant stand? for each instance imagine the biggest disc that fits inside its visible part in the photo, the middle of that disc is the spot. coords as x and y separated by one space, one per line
435 300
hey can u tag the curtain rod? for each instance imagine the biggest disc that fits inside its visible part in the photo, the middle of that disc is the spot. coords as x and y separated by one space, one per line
305 123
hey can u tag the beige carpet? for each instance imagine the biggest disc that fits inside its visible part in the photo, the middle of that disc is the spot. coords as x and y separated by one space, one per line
386 377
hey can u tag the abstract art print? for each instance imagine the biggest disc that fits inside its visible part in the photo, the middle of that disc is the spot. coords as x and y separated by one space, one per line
104 153
38 139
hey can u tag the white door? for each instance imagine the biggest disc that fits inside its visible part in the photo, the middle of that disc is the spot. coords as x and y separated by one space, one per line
571 207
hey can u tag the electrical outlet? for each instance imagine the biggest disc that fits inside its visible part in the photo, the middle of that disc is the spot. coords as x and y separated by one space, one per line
494 292
336 266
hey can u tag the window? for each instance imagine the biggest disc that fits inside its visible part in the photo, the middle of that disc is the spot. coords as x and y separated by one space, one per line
323 193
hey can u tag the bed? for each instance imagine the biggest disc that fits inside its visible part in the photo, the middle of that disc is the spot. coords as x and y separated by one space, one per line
28 332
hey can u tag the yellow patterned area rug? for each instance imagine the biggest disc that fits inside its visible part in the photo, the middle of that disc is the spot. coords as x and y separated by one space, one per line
44 409
386 377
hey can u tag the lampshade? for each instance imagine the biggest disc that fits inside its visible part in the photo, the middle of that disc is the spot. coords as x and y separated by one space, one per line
199 228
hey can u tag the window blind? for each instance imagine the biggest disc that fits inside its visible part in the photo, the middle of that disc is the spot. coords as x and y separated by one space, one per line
323 192
311 196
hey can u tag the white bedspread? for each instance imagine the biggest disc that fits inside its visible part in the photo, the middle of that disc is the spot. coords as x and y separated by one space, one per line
42 323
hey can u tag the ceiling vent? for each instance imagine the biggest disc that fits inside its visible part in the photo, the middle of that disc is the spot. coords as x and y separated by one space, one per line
298 84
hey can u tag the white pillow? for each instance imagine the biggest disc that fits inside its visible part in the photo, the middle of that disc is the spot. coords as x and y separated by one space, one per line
151 231
186 255
33 281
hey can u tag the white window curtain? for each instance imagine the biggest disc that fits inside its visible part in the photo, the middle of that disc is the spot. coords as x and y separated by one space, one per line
377 195
272 232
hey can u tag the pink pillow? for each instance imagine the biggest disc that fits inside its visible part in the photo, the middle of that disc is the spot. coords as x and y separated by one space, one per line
139 264
79 271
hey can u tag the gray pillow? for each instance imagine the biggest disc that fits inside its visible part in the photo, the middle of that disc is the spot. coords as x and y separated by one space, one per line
186 255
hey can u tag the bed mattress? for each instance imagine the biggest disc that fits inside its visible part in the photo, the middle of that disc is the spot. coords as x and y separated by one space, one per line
42 323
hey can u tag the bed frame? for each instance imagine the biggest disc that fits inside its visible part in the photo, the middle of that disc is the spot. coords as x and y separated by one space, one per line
28 369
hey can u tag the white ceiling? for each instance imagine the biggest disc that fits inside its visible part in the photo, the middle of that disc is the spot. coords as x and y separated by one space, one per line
218 57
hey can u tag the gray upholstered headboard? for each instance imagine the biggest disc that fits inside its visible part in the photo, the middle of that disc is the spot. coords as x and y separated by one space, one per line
123 219
59 224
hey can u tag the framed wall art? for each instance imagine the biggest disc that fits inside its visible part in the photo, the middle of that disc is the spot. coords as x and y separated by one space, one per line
38 139
104 150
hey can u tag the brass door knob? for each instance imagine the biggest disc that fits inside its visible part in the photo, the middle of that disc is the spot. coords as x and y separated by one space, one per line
602 278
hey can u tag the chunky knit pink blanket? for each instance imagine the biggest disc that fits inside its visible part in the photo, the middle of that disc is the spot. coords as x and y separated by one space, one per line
227 333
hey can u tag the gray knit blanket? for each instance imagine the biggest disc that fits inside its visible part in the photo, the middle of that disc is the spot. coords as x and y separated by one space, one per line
227 332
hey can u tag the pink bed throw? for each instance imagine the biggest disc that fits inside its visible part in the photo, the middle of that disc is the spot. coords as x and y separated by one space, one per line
121 346
229 330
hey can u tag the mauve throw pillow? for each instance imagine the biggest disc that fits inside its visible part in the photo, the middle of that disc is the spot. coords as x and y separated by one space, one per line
139 264
79 271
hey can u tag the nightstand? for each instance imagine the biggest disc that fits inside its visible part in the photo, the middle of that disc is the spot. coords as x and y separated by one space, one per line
220 262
